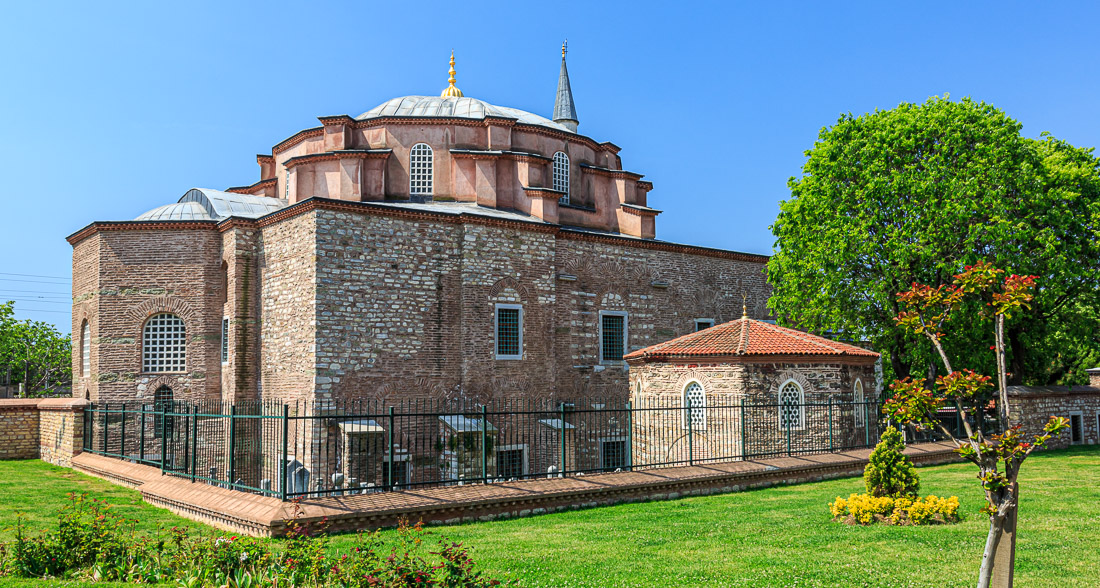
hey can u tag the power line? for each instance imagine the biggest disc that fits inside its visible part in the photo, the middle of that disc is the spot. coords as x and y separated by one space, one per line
34 276
42 310
38 300
51 294
32 281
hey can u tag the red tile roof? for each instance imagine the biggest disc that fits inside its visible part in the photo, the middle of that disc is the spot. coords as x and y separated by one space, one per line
746 336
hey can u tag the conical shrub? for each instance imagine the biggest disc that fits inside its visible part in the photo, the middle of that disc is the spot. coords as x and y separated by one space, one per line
891 473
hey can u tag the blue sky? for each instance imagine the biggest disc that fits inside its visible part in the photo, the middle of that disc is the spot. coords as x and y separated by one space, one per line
109 109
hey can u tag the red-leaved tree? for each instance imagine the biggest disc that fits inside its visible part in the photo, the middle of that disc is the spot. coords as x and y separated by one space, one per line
925 310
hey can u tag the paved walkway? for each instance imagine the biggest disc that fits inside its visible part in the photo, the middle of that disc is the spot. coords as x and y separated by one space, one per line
260 515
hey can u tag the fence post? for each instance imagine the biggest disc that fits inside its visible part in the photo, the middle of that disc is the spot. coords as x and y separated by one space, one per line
106 419
122 434
283 465
194 439
629 437
484 449
830 424
562 435
163 436
141 436
790 422
866 426
389 450
691 433
744 450
232 445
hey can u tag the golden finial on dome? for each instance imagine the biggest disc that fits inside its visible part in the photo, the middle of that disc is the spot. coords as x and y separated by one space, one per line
451 91
744 306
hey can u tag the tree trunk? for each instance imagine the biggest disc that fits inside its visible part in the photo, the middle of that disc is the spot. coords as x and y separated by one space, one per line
1005 560
989 556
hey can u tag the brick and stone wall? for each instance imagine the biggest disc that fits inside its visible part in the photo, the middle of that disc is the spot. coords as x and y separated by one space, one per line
50 429
19 429
1032 406
828 416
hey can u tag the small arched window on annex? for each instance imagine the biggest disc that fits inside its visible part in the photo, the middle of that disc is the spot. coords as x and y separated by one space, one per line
792 413
695 402
561 175
164 344
85 349
858 406
420 170
162 403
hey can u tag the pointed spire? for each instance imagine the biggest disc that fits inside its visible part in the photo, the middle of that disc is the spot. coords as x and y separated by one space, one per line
451 91
565 113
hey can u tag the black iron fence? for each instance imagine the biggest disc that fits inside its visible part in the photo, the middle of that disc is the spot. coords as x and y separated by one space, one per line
326 449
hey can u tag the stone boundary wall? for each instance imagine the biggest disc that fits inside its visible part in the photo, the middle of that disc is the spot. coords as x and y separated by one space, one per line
1032 407
256 515
50 429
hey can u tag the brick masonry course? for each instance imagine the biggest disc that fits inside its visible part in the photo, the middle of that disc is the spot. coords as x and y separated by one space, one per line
264 516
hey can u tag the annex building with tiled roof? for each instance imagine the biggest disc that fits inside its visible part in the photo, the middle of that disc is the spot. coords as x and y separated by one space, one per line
799 390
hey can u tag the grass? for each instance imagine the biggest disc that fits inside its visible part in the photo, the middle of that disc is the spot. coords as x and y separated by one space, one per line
770 537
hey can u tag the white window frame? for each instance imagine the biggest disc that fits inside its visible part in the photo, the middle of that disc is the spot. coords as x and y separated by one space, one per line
560 175
708 321
801 410
422 169
599 335
225 340
1081 415
85 349
626 455
496 331
148 359
520 446
689 409
858 407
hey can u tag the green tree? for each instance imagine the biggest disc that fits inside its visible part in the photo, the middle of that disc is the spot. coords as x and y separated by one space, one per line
891 472
926 311
911 194
34 353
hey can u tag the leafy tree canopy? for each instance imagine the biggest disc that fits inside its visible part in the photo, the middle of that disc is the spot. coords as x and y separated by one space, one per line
913 194
33 353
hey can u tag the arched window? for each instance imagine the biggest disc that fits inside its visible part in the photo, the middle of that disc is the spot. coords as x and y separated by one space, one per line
857 403
695 399
790 405
162 402
420 170
561 175
85 350
164 344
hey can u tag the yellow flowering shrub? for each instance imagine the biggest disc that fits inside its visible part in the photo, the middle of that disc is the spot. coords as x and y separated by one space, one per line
865 509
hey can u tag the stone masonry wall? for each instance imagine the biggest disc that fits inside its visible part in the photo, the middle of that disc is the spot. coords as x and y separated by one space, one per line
134 275
1033 406
18 429
50 429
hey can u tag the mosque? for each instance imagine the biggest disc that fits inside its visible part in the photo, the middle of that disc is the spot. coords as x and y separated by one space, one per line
433 246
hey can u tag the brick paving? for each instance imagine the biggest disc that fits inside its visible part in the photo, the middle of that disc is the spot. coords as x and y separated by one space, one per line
260 515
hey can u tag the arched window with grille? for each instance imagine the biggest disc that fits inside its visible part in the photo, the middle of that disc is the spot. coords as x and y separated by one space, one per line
420 170
164 344
695 399
561 175
858 407
85 350
790 405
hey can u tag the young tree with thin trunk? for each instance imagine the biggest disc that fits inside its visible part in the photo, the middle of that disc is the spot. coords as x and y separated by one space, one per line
925 310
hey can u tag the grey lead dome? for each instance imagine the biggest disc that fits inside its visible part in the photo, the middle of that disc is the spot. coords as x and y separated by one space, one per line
435 106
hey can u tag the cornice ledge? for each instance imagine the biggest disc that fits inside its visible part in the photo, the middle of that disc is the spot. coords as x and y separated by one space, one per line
639 210
335 155
535 192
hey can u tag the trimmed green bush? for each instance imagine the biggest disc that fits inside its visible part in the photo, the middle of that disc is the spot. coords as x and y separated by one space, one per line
891 473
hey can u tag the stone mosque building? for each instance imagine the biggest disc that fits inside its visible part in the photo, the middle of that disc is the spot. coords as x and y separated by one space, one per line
435 247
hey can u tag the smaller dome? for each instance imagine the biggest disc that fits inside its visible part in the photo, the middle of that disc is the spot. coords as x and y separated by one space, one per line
444 107
179 211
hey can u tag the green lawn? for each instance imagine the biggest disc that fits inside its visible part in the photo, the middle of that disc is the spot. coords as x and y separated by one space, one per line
771 537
